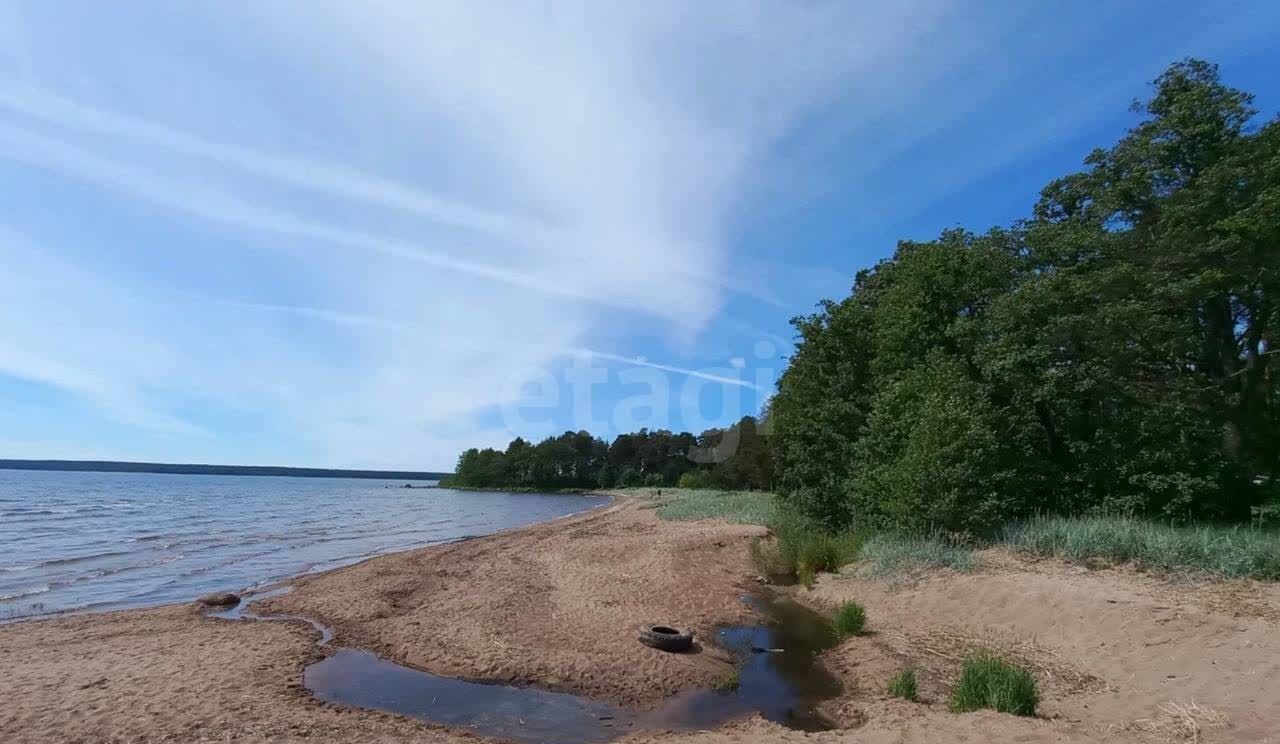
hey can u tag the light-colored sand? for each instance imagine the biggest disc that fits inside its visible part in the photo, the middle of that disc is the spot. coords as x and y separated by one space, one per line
170 674
1120 656
555 605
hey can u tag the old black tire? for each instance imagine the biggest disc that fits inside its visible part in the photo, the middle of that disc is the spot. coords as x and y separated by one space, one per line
666 638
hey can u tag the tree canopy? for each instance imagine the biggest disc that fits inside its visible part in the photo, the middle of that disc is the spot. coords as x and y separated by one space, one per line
1114 351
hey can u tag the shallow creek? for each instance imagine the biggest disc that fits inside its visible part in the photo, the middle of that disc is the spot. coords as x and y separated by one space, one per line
779 677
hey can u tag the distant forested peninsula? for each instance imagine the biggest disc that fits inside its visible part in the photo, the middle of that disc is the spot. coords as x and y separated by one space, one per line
736 457
105 466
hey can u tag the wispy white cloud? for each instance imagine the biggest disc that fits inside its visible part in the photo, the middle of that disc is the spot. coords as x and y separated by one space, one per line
365 321
479 190
314 175
45 152
684 371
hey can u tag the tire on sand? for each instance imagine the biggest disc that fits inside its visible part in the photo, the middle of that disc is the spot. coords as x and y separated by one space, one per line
666 638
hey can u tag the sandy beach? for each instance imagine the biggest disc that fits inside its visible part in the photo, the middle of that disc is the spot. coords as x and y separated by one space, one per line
1121 656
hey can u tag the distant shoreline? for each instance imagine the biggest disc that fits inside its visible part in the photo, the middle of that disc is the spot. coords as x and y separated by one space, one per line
108 466
527 489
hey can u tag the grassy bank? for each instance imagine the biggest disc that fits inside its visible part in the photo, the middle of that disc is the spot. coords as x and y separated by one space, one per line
802 548
1229 551
742 507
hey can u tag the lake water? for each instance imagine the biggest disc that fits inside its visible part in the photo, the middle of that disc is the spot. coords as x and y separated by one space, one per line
77 541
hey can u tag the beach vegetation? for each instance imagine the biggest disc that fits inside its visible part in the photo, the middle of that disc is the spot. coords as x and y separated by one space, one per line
888 554
850 619
1231 551
987 681
903 685
740 507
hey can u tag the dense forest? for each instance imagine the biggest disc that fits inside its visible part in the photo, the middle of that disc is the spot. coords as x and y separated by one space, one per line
1116 351
736 458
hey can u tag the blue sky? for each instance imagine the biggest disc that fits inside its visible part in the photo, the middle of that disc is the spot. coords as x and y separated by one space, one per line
373 234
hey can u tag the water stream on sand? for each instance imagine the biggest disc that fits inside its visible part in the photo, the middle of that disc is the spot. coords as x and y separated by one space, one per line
779 678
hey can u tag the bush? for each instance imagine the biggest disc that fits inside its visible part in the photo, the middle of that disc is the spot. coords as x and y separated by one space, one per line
987 681
850 619
696 479
903 685
1233 552
889 554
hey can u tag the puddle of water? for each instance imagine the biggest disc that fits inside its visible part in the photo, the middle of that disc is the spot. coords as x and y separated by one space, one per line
524 714
779 677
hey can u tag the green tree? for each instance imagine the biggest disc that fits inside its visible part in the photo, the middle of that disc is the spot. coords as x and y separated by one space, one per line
1116 351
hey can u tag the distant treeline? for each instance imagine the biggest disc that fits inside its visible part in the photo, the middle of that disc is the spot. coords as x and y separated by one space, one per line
1117 351
103 466
736 458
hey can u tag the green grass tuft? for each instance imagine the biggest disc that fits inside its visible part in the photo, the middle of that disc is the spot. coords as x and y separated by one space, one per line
850 619
892 553
1228 551
903 685
987 681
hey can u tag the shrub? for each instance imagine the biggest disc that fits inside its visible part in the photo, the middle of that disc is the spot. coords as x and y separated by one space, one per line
889 553
986 681
1232 552
850 619
903 685
695 479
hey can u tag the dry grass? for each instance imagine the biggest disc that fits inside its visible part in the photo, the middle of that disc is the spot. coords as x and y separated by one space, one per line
1181 722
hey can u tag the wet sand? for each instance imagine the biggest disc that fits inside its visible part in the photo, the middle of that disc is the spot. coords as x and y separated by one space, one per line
1121 656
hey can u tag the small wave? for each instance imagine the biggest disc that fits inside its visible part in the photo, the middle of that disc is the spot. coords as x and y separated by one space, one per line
27 512
14 569
71 560
27 592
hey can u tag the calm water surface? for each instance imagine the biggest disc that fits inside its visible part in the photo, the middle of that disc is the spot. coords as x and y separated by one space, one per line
75 541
